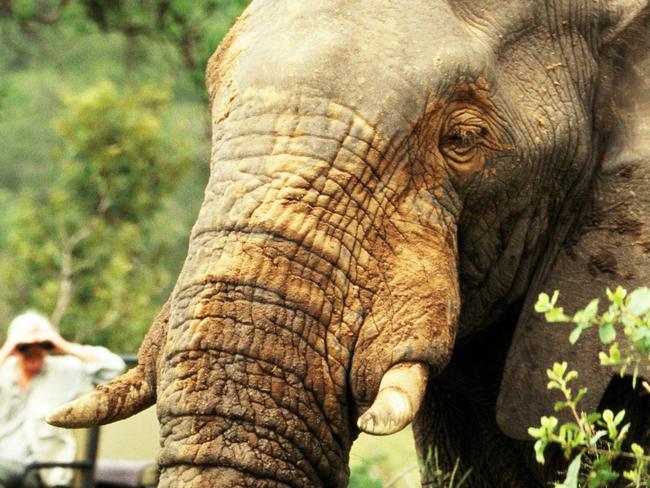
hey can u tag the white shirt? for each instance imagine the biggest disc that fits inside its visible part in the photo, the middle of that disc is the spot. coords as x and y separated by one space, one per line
24 434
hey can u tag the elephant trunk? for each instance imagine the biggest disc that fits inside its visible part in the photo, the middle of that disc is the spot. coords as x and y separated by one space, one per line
253 386
247 393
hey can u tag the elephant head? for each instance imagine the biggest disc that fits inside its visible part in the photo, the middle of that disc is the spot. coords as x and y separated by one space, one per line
390 181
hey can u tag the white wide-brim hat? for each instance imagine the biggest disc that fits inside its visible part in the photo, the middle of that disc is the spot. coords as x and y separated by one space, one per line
30 328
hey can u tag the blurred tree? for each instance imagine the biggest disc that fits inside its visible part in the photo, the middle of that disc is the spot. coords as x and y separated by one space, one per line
90 251
193 28
4 93
93 235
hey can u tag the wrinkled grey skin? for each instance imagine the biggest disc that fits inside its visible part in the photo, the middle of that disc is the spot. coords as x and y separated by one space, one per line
390 182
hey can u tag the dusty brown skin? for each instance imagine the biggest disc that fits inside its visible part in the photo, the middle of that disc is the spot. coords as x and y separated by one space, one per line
391 182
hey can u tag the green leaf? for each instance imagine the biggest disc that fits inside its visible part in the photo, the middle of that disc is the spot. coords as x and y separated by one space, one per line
575 334
643 346
629 320
607 333
592 309
556 295
608 415
549 423
560 406
540 445
571 375
632 476
571 480
543 303
614 357
641 333
584 316
593 417
556 314
617 296
636 449
580 395
553 385
638 301
622 435
559 369
597 436
534 432
619 417
601 473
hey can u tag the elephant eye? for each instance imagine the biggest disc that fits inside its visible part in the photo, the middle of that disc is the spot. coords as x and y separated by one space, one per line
464 139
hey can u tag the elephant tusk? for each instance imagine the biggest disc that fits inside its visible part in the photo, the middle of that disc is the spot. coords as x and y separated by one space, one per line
123 396
126 395
400 394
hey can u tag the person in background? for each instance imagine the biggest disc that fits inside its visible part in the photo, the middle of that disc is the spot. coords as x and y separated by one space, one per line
39 371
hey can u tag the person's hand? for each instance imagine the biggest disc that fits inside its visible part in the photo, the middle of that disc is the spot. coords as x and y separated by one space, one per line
61 346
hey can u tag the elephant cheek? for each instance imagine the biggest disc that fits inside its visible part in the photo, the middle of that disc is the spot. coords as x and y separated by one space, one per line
413 315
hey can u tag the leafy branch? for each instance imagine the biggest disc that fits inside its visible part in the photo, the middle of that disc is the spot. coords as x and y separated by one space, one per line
597 438
631 312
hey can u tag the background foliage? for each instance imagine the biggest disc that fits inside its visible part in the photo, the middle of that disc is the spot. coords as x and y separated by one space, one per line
594 441
89 247
105 147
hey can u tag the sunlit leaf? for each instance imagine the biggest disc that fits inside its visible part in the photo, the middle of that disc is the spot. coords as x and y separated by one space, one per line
638 301
571 480
607 332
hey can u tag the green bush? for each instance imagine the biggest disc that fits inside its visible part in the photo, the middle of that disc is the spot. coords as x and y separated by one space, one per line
594 440
365 475
89 251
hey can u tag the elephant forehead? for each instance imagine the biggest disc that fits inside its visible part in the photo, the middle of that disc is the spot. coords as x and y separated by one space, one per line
384 59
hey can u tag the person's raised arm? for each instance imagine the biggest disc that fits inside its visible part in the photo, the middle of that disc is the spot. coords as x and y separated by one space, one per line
101 363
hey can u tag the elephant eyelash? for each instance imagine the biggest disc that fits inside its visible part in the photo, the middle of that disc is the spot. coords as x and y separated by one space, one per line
462 143
464 135
465 138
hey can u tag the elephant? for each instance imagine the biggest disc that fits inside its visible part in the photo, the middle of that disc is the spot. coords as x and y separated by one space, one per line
392 185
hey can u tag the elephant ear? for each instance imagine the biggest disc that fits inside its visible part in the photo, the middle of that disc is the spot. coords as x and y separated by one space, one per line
610 247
